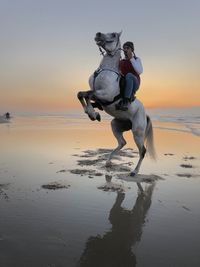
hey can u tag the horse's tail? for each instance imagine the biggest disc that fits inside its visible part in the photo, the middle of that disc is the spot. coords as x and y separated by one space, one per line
149 139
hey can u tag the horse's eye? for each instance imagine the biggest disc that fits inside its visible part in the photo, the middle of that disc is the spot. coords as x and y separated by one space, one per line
114 34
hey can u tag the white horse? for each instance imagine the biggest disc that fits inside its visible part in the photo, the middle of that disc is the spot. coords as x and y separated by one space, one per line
105 91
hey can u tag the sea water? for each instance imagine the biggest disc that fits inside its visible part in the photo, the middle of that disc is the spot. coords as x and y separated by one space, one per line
184 119
40 227
174 119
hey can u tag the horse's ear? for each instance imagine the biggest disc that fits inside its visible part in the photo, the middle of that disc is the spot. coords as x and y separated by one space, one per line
120 33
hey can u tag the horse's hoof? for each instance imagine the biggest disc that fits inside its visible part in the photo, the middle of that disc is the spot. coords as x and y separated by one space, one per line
98 117
108 163
92 118
133 174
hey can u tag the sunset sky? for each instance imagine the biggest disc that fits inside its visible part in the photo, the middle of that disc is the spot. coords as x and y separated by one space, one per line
48 51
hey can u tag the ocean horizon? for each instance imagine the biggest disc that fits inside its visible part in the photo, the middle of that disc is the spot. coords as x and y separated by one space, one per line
185 119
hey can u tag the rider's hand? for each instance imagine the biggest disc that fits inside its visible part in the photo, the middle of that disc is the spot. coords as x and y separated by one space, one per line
128 53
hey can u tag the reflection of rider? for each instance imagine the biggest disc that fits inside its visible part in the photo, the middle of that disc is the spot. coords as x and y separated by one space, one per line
131 68
115 247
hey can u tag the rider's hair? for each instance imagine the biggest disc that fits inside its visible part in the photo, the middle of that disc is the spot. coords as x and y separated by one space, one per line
129 44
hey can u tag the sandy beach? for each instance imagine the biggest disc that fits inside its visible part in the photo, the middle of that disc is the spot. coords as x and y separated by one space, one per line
60 205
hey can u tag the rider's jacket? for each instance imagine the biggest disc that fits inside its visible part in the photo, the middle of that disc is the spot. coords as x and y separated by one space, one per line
133 66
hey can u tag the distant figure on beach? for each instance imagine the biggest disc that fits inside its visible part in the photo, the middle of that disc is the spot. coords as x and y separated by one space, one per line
7 115
5 118
130 68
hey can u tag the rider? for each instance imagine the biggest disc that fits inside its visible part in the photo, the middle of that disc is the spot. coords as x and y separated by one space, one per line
130 68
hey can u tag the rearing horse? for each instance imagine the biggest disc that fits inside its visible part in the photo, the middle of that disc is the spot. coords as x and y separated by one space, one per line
105 91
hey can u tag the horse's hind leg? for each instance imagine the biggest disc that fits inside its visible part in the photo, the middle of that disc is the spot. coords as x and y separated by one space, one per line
139 140
118 127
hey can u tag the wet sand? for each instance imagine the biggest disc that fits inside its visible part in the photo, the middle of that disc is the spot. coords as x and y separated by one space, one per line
61 206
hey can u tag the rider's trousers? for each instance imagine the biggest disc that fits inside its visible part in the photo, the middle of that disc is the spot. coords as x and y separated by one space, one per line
132 85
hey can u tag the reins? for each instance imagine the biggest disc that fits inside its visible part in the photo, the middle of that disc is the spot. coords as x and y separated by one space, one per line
101 51
99 70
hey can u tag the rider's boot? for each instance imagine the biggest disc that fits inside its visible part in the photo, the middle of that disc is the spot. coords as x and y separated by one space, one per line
124 104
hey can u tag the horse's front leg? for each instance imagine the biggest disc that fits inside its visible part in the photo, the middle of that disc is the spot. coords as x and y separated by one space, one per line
81 97
93 115
85 100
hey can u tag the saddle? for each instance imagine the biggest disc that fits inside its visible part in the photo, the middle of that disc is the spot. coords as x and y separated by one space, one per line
122 83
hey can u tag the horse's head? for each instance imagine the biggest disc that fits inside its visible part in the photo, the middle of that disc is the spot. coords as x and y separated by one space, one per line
110 42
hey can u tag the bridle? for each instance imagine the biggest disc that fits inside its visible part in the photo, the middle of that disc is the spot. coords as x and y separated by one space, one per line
111 54
99 70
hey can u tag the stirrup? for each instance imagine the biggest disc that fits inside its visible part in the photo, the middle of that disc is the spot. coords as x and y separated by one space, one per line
123 105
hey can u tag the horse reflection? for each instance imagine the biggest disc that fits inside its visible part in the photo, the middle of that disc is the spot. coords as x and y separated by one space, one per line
115 248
